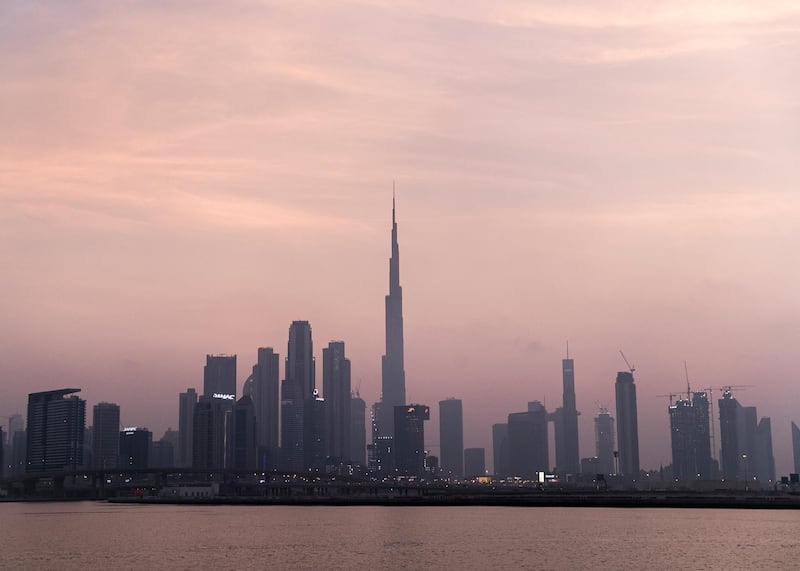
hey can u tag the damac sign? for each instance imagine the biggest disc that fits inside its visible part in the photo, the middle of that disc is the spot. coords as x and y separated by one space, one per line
223 397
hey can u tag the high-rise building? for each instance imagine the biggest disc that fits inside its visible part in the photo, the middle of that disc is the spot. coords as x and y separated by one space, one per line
3 453
451 438
746 444
702 436
134 448
55 430
358 430
500 449
186 403
691 445
163 452
297 388
566 423
604 442
729 436
474 463
627 425
409 438
208 442
314 424
796 447
336 390
219 379
18 453
528 446
105 437
244 434
393 376
764 469
300 366
266 398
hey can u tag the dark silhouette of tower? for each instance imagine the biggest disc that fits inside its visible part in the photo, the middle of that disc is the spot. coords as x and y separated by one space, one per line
186 403
566 423
627 425
358 430
500 449
219 378
691 443
409 438
604 441
474 463
729 435
297 390
55 430
266 401
393 376
336 390
208 438
105 438
245 434
796 447
764 468
134 448
451 438
528 448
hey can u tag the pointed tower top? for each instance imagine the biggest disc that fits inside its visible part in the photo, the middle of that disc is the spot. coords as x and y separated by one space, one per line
567 348
393 203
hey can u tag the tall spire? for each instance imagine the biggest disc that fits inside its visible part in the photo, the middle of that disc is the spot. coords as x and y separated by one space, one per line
393 378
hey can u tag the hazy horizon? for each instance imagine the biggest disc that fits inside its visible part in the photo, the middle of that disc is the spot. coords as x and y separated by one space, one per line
189 178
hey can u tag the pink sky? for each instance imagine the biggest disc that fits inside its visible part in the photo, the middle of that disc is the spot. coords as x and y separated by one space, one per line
186 178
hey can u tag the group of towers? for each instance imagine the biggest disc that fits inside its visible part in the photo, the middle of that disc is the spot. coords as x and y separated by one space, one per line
289 424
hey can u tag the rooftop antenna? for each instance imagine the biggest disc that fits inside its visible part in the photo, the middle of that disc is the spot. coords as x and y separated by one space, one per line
567 348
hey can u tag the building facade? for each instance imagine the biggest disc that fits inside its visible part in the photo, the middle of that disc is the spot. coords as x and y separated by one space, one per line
55 431
451 438
627 425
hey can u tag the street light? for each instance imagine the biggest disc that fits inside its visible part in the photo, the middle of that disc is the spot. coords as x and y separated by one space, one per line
746 486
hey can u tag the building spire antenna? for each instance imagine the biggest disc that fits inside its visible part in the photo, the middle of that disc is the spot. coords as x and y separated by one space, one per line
567 348
393 203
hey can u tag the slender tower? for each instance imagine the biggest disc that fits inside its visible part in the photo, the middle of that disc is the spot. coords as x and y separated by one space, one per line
393 372
568 457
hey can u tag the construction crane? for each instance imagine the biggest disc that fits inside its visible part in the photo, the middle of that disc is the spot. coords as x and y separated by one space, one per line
630 367
670 396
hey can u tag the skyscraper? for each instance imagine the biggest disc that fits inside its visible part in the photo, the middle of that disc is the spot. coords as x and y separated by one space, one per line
358 430
500 449
296 389
219 379
105 443
796 447
451 438
528 447
764 459
55 430
244 434
134 448
409 438
186 403
691 445
604 442
729 435
336 390
627 425
474 463
314 413
266 399
393 376
566 423
208 442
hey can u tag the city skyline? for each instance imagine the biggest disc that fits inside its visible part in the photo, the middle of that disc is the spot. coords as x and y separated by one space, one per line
620 179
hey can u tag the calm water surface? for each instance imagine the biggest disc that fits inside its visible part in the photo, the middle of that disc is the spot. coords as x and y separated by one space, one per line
91 535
